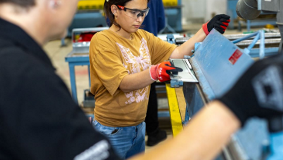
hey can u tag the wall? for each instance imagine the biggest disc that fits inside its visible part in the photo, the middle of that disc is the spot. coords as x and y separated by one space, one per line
199 11
193 10
215 7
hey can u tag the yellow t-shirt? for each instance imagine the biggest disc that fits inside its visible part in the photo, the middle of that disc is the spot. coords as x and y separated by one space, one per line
111 58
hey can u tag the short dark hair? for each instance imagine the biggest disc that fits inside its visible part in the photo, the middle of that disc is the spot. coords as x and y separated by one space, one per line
21 3
108 12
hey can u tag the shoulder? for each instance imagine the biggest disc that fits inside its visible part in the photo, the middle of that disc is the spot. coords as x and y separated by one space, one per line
8 48
17 63
102 35
103 38
11 55
26 74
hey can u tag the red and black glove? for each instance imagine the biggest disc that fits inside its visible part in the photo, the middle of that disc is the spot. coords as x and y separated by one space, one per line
162 71
219 22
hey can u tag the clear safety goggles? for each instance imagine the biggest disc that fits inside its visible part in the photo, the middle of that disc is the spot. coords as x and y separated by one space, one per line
134 13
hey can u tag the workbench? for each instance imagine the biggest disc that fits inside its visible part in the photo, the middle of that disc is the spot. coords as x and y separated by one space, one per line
79 56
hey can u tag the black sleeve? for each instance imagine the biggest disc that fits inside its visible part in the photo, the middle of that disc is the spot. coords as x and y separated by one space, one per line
40 121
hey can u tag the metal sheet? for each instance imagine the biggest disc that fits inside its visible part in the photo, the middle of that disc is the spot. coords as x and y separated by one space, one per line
186 75
214 59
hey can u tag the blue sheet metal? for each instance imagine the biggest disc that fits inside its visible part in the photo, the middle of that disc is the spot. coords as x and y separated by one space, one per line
221 62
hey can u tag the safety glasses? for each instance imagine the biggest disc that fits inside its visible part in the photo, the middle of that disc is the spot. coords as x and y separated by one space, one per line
134 13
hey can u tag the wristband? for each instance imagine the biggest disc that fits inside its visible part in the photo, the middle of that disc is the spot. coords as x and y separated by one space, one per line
152 72
205 29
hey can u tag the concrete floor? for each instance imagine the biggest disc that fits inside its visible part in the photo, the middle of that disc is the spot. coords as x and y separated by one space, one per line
57 54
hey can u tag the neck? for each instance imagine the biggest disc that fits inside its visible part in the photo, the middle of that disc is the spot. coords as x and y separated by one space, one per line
121 32
27 19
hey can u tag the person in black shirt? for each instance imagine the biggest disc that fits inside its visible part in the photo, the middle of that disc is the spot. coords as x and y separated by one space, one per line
40 121
38 118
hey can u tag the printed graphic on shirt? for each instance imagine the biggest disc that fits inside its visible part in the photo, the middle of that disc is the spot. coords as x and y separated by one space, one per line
136 64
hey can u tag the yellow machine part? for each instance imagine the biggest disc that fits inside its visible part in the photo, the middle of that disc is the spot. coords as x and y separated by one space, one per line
91 4
170 2
175 115
99 4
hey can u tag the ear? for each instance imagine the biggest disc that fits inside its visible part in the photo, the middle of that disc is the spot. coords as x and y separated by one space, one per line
114 10
54 3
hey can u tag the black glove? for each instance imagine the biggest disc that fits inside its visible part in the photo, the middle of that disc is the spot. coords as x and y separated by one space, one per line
219 22
258 92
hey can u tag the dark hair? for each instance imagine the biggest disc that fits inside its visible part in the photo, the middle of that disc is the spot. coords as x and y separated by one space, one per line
108 12
21 3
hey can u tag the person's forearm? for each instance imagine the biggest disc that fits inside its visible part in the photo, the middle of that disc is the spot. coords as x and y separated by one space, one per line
202 139
136 81
187 47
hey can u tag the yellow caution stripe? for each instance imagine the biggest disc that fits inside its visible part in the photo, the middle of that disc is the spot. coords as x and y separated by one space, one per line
175 115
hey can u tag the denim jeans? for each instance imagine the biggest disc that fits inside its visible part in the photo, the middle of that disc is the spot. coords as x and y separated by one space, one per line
126 141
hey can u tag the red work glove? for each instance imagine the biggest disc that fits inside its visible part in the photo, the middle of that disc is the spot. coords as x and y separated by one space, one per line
219 22
163 70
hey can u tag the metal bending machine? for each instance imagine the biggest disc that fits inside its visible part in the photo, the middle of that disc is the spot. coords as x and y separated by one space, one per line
216 65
